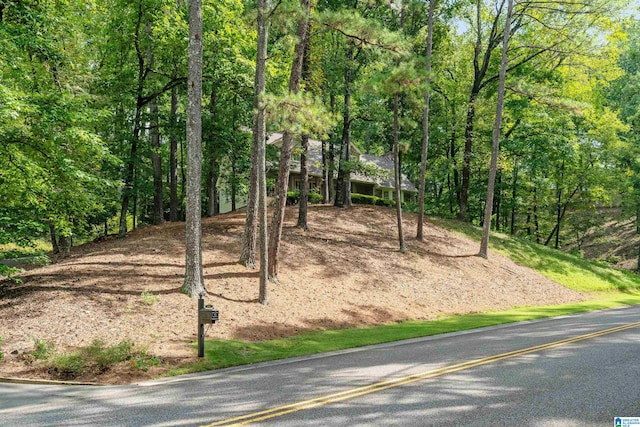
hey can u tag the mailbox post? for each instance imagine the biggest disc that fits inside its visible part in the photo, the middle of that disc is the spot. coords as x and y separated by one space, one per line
206 314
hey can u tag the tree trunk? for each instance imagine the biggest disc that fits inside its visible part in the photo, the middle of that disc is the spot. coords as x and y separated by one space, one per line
452 148
250 237
65 245
536 224
173 158
52 235
156 161
425 123
496 136
129 175
156 150
304 185
514 195
193 280
397 175
481 60
212 177
325 173
183 180
287 148
259 135
497 199
132 160
135 205
466 163
558 219
343 188
234 183
330 158
213 207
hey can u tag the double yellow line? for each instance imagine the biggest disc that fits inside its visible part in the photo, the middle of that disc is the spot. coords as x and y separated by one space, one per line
397 382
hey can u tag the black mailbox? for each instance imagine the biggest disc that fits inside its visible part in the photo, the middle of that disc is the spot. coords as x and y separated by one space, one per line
208 315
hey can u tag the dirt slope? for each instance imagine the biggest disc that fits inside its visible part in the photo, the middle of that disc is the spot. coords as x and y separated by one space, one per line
345 271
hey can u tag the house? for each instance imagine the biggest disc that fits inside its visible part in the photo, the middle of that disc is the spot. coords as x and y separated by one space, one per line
381 185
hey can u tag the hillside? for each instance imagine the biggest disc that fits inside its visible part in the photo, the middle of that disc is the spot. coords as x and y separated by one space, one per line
616 242
345 271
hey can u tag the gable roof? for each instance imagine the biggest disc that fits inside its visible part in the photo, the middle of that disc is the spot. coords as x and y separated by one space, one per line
386 179
384 163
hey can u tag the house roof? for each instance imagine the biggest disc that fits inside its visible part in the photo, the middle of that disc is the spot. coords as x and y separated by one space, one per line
384 163
385 179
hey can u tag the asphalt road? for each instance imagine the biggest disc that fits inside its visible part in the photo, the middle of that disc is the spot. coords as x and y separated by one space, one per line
573 371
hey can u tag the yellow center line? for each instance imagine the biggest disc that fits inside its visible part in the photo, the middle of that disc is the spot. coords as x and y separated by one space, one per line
397 382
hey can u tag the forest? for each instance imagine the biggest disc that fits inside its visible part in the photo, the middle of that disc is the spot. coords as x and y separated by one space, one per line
94 111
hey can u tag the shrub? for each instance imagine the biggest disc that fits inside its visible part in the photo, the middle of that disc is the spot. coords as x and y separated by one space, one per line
315 197
1 353
364 199
67 366
293 197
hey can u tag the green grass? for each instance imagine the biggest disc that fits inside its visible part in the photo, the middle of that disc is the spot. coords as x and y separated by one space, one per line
226 353
609 287
567 269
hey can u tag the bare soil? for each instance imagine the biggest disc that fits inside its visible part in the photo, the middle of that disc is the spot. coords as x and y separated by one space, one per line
346 271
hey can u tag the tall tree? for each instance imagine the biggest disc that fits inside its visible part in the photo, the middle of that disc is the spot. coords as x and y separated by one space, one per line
287 146
303 206
173 157
425 123
193 280
259 147
484 245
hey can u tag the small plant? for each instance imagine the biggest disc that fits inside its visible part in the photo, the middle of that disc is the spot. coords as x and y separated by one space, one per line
66 366
148 298
1 353
44 349
10 272
40 260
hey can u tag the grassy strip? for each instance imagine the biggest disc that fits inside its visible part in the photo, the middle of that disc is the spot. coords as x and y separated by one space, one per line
226 353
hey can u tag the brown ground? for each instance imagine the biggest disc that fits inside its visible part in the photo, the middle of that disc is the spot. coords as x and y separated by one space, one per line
345 271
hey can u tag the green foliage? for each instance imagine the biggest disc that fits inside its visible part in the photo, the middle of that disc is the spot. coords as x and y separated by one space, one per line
1 353
10 273
299 114
43 349
97 358
364 199
293 197
314 197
